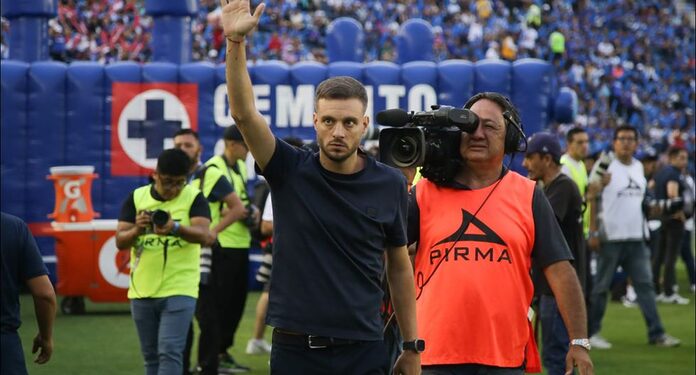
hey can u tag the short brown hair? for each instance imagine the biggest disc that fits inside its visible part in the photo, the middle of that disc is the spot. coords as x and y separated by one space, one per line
571 133
342 87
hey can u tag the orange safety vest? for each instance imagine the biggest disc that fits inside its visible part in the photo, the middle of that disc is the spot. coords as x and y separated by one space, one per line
474 308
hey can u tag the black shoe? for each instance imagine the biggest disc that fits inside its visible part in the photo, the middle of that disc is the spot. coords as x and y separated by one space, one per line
228 365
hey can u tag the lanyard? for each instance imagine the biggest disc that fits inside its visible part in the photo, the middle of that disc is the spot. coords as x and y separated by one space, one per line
232 170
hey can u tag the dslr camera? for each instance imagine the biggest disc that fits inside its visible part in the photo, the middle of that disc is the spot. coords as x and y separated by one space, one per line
159 218
250 221
429 139
666 206
600 166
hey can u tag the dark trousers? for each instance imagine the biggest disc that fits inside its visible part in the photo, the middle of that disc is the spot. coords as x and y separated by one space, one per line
12 360
365 358
688 257
471 369
221 304
671 234
554 336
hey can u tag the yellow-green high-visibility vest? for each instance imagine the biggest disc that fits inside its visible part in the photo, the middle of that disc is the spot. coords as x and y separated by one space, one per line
167 265
236 235
211 176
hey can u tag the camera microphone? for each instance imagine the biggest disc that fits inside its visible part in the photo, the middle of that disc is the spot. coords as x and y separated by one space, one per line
393 117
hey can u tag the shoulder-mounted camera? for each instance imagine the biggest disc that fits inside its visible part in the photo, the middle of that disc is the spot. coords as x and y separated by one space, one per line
430 139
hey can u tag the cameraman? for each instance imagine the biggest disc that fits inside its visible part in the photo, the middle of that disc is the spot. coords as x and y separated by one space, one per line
232 251
670 186
474 289
164 265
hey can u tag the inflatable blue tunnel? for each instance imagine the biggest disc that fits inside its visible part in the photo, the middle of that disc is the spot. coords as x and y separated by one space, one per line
118 117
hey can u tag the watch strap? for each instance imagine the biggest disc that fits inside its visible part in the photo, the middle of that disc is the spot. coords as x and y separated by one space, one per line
175 229
417 345
585 343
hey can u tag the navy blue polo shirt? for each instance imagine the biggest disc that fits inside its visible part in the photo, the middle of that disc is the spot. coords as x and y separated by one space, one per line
663 176
330 232
20 261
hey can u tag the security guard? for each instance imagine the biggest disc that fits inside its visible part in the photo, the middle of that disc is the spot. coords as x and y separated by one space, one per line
219 193
573 163
233 246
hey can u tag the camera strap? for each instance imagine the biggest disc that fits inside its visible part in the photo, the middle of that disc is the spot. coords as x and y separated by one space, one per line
164 255
234 168
138 252
202 177
421 281
137 261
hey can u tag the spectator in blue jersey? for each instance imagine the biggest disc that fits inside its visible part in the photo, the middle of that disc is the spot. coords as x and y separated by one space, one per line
336 213
21 265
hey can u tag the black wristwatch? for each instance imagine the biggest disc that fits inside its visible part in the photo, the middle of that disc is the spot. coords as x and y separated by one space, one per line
416 345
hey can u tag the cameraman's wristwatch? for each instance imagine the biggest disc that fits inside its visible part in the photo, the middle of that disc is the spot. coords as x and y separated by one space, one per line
417 345
585 343
175 229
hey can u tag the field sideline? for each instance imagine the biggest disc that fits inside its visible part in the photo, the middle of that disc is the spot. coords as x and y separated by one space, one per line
104 341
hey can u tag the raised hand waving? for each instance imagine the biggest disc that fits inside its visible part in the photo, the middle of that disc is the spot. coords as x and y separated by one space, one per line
237 20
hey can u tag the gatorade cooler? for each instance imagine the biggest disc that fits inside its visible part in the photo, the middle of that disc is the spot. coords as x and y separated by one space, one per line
73 184
89 264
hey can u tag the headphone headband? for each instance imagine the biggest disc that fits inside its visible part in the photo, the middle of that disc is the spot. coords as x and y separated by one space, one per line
511 117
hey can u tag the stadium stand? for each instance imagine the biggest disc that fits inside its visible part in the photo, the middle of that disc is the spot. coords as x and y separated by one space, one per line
630 62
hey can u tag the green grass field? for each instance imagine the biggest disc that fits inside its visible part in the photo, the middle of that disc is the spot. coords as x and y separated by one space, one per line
104 341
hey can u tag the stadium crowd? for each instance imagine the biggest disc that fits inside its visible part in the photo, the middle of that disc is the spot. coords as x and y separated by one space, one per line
631 62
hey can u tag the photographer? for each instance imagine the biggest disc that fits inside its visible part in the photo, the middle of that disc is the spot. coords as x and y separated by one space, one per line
163 224
670 187
479 234
231 253
622 238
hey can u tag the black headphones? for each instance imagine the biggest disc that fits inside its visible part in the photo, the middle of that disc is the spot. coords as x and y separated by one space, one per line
515 141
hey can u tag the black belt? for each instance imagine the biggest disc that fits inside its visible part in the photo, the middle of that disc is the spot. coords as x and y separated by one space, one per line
284 337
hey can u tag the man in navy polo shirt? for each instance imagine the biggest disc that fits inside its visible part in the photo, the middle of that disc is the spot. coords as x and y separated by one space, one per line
335 213
21 264
670 185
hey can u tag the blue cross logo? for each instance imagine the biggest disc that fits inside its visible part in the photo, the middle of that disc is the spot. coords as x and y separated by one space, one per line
154 128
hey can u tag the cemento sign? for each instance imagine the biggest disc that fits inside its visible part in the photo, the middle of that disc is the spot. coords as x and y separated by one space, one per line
294 106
